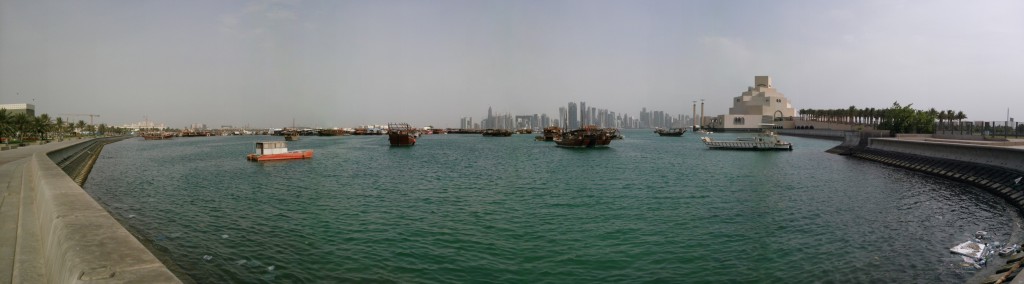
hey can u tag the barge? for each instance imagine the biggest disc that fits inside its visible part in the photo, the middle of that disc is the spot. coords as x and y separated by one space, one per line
276 150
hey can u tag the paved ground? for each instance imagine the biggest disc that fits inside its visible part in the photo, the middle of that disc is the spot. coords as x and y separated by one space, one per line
20 245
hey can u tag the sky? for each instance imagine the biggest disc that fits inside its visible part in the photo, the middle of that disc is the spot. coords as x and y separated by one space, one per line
332 63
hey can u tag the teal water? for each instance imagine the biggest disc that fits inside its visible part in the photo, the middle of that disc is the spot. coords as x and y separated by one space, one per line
462 208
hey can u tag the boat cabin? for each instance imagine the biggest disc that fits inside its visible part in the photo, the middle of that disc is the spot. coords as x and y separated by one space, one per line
271 147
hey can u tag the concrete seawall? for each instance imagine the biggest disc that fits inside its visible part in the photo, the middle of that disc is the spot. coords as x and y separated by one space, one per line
52 231
999 156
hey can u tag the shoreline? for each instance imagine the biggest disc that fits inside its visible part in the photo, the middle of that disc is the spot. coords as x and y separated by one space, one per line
991 167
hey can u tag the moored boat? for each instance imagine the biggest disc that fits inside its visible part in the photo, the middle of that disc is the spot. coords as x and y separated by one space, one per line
550 133
401 134
277 150
674 132
614 132
766 140
291 136
497 133
157 136
589 136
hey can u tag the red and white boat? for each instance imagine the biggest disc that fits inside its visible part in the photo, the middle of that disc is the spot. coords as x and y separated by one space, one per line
276 150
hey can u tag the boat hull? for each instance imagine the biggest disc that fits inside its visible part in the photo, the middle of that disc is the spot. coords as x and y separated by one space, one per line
671 132
290 155
158 137
588 137
746 145
497 133
551 133
401 139
585 143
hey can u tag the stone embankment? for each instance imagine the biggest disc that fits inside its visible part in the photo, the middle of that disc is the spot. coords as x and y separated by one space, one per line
997 167
52 231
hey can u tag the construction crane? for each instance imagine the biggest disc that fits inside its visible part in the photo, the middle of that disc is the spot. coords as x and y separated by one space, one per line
79 114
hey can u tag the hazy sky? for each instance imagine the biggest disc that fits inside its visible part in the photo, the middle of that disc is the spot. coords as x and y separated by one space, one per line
348 63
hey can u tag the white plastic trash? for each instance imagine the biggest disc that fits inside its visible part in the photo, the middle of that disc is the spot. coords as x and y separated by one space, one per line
969 248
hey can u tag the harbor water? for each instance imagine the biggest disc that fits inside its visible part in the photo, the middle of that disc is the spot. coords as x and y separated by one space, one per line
467 208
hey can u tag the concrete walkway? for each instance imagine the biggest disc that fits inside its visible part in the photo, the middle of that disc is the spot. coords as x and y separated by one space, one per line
52 231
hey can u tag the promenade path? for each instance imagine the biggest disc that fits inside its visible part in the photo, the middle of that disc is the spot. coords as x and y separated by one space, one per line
52 231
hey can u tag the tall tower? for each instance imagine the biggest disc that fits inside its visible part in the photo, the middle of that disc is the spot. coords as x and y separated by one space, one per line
563 117
574 122
694 115
584 118
702 113
489 123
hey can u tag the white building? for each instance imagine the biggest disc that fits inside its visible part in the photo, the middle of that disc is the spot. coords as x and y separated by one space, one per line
144 125
12 109
761 103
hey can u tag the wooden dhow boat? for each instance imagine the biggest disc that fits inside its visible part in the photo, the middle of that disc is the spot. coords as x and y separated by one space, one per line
157 136
401 134
674 132
497 133
589 136
550 133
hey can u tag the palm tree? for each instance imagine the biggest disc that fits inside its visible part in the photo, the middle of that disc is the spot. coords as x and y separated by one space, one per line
4 123
960 116
80 126
941 115
950 116
20 123
58 125
42 125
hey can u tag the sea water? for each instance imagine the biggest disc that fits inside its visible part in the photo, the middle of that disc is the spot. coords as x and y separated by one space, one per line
467 208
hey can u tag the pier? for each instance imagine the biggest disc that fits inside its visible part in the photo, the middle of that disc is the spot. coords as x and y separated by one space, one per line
52 231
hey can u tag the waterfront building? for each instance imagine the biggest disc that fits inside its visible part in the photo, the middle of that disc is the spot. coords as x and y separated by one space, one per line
144 125
523 121
13 109
761 103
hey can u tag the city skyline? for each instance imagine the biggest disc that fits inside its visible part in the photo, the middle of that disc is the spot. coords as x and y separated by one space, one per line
573 117
344 63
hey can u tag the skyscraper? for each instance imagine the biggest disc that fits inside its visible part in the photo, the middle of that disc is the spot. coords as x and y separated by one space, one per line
489 123
574 122
563 116
584 119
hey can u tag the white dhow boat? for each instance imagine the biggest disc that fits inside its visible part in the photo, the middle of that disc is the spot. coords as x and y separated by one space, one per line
766 140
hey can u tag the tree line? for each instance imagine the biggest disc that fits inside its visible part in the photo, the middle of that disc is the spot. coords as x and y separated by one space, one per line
897 118
22 127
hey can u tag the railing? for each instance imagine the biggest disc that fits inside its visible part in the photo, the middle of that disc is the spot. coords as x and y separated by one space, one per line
981 128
